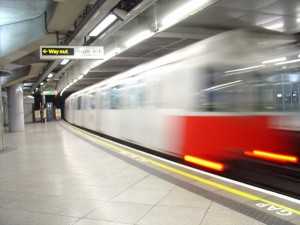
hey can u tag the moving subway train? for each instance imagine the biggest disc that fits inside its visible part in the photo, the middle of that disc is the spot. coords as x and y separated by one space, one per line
228 102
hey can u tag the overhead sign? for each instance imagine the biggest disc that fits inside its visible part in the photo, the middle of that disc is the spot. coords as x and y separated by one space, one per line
49 92
71 52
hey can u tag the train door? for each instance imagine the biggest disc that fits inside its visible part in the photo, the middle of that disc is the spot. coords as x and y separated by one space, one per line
103 108
72 110
78 115
49 107
287 90
131 108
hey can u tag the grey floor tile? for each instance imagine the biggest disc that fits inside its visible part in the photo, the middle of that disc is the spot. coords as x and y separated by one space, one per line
28 188
227 217
118 163
141 196
98 222
169 215
46 219
60 189
121 182
46 177
69 181
16 217
153 183
218 206
9 196
75 207
79 179
100 171
120 212
34 203
297 221
132 172
99 193
185 199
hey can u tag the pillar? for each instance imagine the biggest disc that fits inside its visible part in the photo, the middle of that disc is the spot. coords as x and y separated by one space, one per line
15 108
1 123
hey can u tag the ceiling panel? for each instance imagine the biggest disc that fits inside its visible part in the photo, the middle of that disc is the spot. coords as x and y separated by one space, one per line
256 18
248 5
98 75
224 15
282 7
213 17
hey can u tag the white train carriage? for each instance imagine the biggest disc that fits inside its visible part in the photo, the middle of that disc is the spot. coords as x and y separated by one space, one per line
202 103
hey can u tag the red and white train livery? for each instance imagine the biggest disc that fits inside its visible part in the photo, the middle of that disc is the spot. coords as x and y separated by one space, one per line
228 98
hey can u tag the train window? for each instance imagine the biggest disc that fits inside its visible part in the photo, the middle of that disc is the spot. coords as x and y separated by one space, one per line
262 91
136 96
105 99
91 101
115 98
150 92
79 103
71 104
224 93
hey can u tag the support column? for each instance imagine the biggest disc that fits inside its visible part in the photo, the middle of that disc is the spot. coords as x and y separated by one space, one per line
1 123
15 108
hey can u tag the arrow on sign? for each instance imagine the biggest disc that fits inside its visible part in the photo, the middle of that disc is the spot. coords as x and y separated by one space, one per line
45 51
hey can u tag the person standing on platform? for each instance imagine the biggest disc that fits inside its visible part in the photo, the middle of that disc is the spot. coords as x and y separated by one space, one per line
43 115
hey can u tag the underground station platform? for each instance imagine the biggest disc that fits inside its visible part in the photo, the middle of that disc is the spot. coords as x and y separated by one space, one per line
56 174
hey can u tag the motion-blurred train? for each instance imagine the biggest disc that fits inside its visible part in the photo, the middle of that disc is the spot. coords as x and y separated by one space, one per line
230 98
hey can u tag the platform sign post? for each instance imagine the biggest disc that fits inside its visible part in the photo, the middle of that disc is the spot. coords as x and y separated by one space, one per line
37 116
57 114
71 52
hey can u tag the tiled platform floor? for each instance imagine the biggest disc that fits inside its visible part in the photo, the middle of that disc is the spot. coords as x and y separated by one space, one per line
48 176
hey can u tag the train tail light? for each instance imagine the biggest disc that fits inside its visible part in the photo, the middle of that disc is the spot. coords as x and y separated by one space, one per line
204 163
272 156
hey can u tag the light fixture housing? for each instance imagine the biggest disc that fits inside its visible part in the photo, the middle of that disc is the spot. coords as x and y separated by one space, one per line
103 25
139 38
187 9
274 60
64 62
287 62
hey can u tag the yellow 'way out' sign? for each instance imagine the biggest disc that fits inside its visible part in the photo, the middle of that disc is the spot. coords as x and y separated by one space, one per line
71 52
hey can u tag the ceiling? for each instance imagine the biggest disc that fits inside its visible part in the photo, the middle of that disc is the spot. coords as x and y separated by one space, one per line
27 24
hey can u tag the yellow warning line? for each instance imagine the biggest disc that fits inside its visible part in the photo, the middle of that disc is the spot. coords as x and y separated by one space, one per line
194 177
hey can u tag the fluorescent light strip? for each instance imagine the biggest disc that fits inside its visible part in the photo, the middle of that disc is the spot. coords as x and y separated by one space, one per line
110 19
138 38
275 26
274 60
288 62
182 12
50 75
64 62
86 71
243 69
